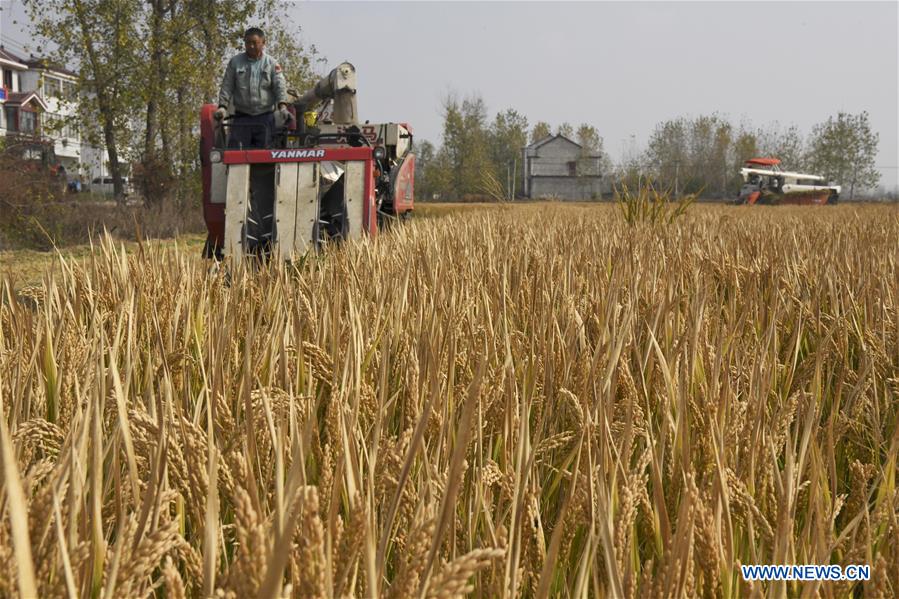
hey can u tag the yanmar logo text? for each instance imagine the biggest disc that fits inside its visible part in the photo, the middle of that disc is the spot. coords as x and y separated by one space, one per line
298 153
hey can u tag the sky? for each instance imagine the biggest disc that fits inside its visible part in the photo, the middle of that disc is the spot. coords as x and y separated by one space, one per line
622 67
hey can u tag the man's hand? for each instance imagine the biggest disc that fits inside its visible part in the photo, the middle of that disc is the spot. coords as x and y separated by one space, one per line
221 113
285 114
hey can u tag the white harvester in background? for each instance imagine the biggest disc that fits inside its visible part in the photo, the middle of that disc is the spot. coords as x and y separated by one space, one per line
765 183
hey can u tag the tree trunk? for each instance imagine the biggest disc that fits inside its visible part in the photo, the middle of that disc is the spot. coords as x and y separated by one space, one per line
103 103
118 188
151 165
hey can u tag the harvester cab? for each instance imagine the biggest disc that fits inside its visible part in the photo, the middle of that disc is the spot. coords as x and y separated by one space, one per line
321 178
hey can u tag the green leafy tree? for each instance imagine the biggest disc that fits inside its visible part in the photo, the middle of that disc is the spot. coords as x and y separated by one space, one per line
692 155
508 135
439 176
424 165
541 130
478 171
700 135
566 130
101 37
594 160
784 144
745 146
843 149
186 30
465 150
452 149
668 152
145 67
719 163
588 138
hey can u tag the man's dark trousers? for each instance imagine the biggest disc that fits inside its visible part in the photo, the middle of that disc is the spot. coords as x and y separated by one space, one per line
256 132
251 131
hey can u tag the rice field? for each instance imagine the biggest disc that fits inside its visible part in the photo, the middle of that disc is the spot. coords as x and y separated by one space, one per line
529 401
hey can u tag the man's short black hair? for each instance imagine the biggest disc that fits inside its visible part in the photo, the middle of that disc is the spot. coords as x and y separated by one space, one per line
254 31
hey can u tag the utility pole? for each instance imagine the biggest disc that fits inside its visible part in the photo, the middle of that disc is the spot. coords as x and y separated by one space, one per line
514 175
676 174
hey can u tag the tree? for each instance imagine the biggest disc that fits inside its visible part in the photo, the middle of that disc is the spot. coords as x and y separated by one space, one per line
541 131
784 144
101 37
145 67
719 157
186 30
668 151
843 149
693 155
589 139
464 157
745 146
508 135
593 159
630 170
424 163
452 149
478 171
566 130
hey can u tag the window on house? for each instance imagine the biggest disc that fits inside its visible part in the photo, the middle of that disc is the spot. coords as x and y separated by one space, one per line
12 118
7 79
53 88
53 125
27 122
59 127
572 168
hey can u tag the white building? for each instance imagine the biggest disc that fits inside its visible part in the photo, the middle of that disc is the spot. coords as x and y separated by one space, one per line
39 99
558 167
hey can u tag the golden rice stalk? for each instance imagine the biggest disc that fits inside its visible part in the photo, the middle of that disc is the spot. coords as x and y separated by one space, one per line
452 581
18 512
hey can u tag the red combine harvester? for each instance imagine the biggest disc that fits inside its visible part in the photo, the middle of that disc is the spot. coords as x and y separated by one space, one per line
327 178
765 183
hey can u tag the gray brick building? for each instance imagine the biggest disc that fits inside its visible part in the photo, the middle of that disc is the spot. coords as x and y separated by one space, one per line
555 166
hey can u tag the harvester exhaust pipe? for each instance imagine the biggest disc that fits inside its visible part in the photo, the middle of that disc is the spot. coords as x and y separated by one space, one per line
340 86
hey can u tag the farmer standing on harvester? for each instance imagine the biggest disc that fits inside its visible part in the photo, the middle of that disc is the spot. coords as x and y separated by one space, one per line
255 86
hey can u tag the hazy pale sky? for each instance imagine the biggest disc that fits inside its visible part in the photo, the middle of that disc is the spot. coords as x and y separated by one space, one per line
622 67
